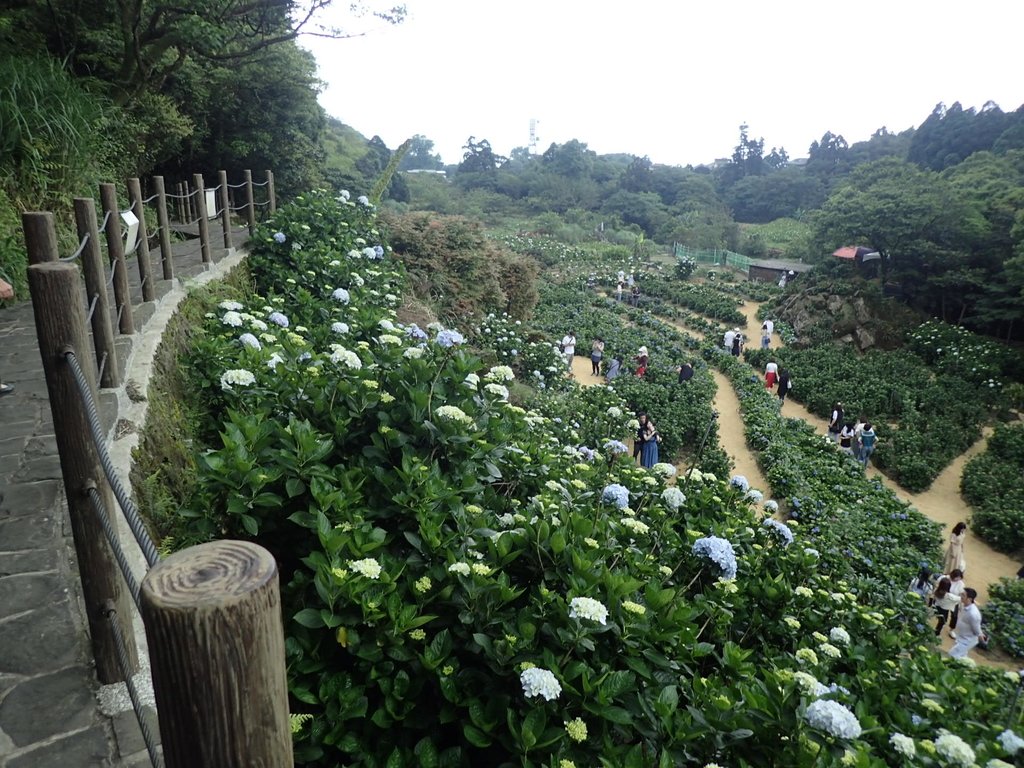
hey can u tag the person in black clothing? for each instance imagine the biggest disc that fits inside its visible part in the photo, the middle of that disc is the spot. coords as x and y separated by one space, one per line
685 372
641 435
835 422
737 344
785 384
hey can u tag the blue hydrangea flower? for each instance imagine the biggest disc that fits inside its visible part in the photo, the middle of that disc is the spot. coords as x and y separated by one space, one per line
280 237
755 496
780 529
616 494
448 337
278 319
739 481
415 332
378 252
833 718
720 552
586 453
616 447
341 295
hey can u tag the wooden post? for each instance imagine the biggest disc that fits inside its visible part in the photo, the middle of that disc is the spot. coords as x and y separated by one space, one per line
115 249
271 194
213 616
60 325
190 203
96 289
180 203
204 221
145 271
166 254
250 204
225 207
40 237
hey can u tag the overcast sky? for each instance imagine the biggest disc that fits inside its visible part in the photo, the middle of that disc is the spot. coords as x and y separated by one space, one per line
670 79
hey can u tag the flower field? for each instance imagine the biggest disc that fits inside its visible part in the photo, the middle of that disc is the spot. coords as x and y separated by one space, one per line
474 572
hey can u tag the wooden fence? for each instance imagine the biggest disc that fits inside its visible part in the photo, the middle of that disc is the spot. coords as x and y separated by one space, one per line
212 613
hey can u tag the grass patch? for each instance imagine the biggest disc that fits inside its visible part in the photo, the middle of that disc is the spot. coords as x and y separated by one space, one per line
163 472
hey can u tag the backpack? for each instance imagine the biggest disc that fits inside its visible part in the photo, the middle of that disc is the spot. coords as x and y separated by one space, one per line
867 439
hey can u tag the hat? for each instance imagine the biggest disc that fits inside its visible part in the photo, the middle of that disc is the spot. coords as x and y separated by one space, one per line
642 350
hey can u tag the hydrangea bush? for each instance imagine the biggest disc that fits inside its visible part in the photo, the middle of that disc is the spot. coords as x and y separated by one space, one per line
464 585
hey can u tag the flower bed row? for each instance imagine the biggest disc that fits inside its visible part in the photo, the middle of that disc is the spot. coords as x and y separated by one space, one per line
702 298
938 416
464 584
991 484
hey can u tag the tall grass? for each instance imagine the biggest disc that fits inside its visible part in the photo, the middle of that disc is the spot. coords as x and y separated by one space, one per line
52 147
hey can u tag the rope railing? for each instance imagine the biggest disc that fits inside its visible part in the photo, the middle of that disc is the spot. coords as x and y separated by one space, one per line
129 509
150 199
133 693
78 251
92 307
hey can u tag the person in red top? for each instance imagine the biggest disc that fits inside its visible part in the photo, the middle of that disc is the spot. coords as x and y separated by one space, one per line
641 361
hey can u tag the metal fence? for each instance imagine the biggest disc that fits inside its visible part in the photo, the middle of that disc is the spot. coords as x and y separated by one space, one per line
715 257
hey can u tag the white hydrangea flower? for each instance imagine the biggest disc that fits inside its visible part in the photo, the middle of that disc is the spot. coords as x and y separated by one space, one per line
954 749
500 373
472 381
588 608
232 306
345 357
453 413
367 567
673 497
413 353
460 568
615 412
637 526
238 377
497 390
903 744
540 682
274 360
833 718
664 469
233 319
390 339
839 635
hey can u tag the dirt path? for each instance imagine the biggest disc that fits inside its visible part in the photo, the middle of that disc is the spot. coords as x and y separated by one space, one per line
731 434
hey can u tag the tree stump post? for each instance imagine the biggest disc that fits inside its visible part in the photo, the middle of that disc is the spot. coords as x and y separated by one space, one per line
96 293
225 206
60 326
201 213
145 270
115 250
213 616
164 223
250 204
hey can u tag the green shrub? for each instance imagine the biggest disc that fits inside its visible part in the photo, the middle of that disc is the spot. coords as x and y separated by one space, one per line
991 484
1004 614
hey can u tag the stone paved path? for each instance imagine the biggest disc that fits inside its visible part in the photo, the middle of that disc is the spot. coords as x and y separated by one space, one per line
48 709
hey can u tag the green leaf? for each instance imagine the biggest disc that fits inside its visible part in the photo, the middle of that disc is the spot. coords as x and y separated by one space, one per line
475 736
426 753
294 486
309 617
250 524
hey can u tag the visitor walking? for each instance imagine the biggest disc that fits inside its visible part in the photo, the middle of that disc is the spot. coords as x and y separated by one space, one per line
921 584
846 438
785 384
634 295
614 367
970 631
729 336
596 355
771 374
943 601
641 431
685 372
568 347
641 361
835 421
956 587
649 445
6 292
766 336
954 557
868 441
737 343
619 288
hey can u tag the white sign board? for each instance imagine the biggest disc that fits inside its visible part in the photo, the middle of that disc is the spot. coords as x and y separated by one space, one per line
131 239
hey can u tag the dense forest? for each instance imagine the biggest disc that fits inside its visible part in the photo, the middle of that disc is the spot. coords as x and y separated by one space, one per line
104 90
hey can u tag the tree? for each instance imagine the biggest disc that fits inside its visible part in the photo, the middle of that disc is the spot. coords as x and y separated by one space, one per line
920 224
136 46
825 157
638 176
479 157
776 159
421 156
